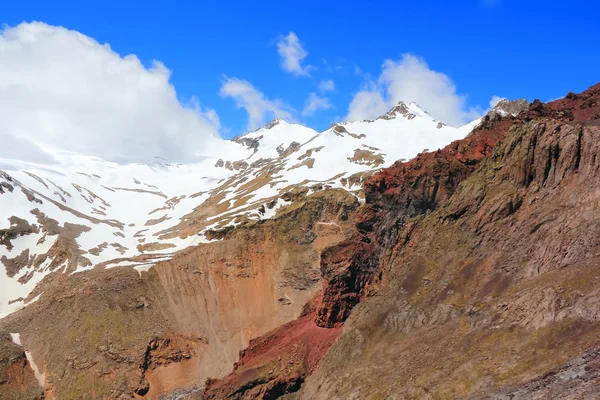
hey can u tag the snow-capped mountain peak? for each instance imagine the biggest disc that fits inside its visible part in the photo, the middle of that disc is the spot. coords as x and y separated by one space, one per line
408 111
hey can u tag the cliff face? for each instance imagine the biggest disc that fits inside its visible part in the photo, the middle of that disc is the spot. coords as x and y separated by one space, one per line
473 273
119 333
490 282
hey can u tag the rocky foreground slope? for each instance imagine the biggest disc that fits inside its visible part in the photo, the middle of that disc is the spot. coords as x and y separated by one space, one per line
472 273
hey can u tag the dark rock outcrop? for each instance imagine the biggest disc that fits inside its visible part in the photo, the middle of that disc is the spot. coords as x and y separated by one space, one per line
17 379
508 107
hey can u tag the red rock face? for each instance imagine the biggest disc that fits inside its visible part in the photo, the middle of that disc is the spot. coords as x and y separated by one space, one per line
277 363
574 107
347 269
397 193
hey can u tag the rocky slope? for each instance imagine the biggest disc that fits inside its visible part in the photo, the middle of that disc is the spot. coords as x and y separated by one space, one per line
472 273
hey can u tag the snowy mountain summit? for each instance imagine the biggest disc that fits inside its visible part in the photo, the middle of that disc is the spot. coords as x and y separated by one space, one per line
83 212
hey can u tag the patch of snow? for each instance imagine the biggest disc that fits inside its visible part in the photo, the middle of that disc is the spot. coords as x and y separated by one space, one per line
143 268
16 338
270 212
41 377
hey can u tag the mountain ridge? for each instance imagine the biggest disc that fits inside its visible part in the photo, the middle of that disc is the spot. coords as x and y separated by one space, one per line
169 215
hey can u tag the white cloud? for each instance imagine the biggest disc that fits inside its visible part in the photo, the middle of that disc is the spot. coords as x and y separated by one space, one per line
63 90
495 100
292 55
23 149
411 79
327 85
367 104
258 107
315 103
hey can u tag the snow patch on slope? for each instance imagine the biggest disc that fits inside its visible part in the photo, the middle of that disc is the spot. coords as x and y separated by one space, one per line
41 377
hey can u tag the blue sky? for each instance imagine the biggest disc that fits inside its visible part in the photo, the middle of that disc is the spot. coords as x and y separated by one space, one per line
531 49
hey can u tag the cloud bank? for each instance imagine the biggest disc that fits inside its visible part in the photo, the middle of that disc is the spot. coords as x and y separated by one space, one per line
259 108
60 89
411 79
315 103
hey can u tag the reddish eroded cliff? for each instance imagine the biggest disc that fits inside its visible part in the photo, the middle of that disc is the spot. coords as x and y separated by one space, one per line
393 196
277 363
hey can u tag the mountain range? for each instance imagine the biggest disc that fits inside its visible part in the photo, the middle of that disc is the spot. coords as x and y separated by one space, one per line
392 258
